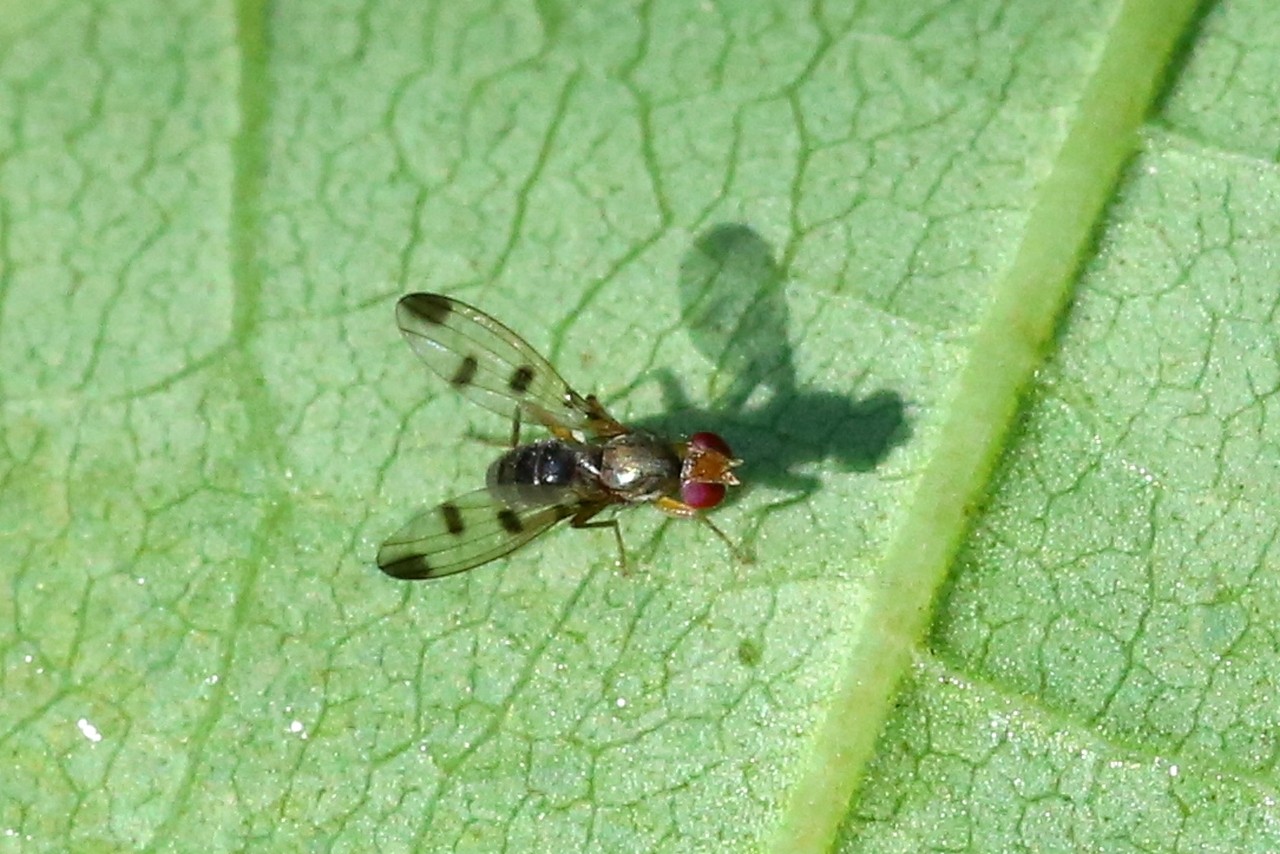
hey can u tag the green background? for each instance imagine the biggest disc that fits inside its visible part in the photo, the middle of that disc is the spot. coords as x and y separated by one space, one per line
1007 386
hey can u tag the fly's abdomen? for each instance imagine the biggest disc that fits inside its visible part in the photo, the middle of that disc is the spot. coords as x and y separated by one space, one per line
534 473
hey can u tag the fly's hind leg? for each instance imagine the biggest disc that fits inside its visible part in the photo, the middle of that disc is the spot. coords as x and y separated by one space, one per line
494 440
602 423
582 519
515 428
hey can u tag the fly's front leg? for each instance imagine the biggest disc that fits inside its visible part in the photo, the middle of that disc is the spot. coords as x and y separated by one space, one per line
677 508
582 519
734 549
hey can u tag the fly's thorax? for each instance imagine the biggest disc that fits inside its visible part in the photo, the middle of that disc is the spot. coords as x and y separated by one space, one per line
639 466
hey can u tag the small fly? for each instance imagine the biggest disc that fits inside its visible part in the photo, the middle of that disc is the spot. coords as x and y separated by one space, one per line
591 462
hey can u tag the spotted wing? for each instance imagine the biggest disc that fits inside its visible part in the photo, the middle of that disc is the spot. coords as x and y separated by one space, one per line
464 533
489 363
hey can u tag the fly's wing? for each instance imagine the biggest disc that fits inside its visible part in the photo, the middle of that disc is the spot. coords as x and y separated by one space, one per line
490 364
464 533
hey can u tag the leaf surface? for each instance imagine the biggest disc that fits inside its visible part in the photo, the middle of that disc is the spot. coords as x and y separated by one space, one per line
839 236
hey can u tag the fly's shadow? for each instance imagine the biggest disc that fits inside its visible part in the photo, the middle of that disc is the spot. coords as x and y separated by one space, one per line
733 303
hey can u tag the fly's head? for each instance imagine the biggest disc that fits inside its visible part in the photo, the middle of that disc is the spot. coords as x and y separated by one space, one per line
706 471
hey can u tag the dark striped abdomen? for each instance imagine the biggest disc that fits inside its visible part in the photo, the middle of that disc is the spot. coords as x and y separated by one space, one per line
540 472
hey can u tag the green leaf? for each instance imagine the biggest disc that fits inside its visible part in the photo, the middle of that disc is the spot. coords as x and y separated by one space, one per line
1100 672
839 235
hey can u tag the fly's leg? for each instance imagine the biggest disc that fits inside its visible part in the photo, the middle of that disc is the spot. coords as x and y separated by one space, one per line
677 508
494 440
582 519
515 428
602 423
734 549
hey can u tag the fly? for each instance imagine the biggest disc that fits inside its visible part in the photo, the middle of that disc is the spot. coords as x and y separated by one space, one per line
590 463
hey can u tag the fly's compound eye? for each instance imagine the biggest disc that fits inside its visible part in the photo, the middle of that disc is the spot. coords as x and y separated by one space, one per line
702 496
710 442
707 471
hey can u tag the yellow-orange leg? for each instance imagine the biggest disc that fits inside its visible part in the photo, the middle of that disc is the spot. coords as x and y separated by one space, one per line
675 507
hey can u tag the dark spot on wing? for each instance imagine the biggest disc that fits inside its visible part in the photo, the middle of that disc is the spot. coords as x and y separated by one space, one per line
452 518
510 521
432 308
466 371
521 379
409 568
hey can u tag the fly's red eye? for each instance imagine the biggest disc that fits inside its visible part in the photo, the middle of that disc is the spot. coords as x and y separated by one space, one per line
710 442
702 496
